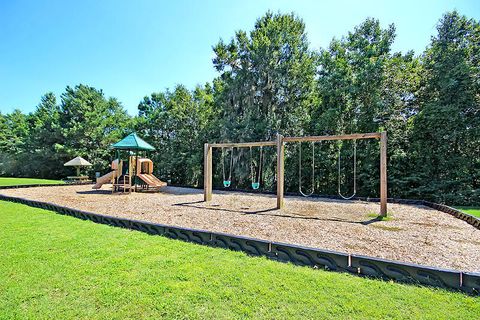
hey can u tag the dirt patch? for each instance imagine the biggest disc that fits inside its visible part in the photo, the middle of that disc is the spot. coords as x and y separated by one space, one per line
416 234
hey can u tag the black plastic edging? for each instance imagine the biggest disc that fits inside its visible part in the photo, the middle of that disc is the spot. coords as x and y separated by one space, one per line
328 260
468 218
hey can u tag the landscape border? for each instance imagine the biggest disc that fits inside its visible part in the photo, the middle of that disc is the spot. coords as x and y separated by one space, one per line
468 282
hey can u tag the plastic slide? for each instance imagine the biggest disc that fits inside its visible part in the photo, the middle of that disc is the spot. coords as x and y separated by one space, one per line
151 180
106 178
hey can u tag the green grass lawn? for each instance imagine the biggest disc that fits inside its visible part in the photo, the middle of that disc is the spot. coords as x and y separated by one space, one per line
474 211
54 266
21 181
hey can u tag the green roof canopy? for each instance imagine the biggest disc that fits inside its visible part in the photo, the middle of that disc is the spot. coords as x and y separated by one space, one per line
132 142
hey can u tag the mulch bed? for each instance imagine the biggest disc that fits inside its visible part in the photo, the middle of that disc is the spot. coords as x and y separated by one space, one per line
415 234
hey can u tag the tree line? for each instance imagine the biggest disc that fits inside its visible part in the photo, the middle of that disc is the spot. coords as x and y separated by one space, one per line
271 81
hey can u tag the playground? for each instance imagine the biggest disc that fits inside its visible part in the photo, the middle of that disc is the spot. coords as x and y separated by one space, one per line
240 160
399 232
415 234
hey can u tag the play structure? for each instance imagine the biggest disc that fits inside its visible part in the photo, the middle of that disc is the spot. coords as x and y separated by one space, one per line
280 168
133 174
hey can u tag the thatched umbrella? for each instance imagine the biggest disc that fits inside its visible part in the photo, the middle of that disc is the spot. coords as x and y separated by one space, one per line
77 162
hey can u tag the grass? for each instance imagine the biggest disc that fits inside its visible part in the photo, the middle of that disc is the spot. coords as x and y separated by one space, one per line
378 217
54 266
474 211
22 181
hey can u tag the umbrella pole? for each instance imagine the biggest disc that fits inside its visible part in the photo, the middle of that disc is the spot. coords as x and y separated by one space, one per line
78 171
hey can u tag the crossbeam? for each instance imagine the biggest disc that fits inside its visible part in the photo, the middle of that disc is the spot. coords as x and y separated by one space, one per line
243 144
356 136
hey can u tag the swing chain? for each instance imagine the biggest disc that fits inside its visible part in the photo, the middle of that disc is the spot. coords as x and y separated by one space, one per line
223 163
227 183
300 170
255 178
354 171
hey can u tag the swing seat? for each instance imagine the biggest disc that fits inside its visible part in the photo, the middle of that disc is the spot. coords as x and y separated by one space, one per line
226 183
255 185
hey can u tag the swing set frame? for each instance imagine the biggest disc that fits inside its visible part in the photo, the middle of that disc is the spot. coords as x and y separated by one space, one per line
280 168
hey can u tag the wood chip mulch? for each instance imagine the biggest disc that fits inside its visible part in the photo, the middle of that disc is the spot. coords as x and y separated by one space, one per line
415 234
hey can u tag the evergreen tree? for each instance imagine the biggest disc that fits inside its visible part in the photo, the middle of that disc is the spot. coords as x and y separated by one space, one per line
44 134
268 79
177 123
446 138
90 123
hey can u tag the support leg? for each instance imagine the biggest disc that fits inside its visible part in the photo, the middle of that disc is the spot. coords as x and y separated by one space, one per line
383 174
207 173
280 170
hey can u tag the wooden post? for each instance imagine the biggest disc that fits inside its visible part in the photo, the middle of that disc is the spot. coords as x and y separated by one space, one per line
136 171
383 174
130 172
207 173
280 170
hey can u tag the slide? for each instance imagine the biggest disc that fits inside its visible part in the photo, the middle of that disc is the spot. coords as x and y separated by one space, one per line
106 178
151 180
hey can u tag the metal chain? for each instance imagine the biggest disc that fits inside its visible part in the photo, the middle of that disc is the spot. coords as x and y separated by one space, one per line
231 164
254 177
223 163
300 171
354 171
260 164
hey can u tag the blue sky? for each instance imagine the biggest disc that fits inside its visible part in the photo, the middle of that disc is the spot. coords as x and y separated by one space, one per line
133 48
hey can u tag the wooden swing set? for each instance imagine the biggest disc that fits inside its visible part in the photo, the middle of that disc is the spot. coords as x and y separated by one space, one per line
280 168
